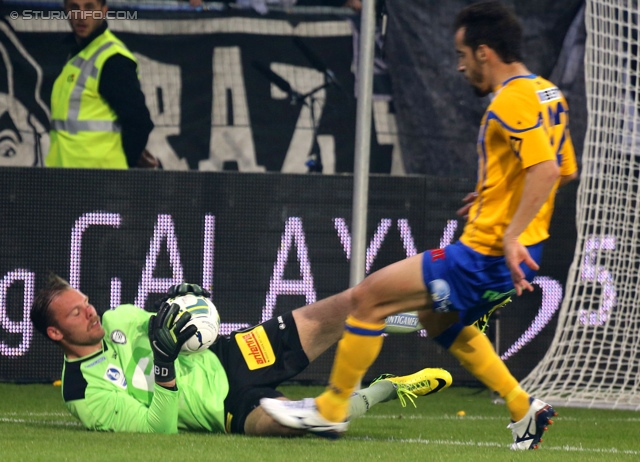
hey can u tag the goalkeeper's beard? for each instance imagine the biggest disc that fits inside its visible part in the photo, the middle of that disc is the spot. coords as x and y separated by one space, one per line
92 336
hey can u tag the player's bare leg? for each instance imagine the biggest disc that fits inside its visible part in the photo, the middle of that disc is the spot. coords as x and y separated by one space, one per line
394 289
321 324
259 423
386 388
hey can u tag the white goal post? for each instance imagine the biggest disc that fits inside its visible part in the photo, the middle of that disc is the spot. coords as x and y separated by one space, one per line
594 359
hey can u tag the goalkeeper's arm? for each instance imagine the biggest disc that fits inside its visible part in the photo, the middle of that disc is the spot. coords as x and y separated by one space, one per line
166 336
105 409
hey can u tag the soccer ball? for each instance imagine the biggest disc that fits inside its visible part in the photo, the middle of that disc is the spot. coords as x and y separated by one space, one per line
402 323
204 315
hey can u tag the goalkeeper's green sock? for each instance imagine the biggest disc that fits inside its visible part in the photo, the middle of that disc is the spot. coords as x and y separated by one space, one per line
362 400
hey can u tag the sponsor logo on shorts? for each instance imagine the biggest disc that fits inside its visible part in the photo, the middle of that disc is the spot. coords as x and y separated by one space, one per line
437 254
256 348
114 374
440 292
492 295
117 336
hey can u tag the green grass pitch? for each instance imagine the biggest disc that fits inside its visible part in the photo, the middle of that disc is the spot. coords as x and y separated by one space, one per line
34 426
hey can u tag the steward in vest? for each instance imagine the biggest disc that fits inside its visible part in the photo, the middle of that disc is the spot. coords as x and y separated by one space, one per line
98 111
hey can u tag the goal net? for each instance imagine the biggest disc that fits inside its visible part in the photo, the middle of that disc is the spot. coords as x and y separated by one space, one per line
594 359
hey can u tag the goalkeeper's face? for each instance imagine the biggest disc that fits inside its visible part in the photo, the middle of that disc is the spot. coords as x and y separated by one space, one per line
77 324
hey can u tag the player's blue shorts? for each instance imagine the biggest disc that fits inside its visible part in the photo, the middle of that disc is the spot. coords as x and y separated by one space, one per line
461 279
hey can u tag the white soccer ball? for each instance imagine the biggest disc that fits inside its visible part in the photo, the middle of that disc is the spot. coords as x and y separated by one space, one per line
204 315
402 323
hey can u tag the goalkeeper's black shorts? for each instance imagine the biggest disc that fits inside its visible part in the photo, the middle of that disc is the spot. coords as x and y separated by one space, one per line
256 361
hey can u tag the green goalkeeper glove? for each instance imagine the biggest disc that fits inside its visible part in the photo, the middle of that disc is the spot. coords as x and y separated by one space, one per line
167 337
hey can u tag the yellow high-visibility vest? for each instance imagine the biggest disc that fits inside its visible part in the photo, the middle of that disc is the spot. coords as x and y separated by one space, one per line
84 129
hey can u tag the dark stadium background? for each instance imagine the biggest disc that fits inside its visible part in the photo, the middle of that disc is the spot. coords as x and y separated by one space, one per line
39 208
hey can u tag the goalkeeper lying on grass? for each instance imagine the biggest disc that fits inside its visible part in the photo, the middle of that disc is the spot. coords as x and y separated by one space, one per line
110 383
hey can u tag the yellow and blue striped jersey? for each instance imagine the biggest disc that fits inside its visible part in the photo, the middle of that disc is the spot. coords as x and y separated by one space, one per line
526 123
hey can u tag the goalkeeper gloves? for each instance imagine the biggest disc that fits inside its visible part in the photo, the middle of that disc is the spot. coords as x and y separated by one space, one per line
167 337
181 289
186 288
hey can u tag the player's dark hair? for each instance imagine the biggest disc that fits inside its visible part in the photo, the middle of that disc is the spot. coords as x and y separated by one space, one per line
492 24
41 316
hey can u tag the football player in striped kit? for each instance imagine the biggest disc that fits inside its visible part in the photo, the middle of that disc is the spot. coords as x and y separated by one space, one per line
524 154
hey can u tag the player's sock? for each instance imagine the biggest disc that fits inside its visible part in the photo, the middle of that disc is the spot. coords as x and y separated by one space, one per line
357 350
475 352
517 401
362 400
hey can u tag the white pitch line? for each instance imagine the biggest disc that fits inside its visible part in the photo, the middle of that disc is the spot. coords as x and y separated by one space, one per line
427 417
440 442
560 418
46 422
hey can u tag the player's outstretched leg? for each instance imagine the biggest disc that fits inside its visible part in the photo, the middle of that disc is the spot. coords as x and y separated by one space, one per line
405 388
421 383
527 432
304 415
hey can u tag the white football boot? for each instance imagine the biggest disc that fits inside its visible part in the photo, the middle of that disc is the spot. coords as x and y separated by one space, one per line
302 415
527 432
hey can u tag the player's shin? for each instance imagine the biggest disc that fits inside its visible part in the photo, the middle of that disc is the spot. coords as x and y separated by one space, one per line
476 354
357 350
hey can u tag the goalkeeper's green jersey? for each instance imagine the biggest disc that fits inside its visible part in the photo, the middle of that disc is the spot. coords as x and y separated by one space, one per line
114 389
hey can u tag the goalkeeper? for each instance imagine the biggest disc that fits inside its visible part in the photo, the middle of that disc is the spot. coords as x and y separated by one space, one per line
124 373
